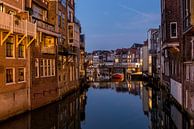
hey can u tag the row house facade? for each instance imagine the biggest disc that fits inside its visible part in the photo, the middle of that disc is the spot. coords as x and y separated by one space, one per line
153 41
73 45
171 64
135 58
40 53
144 57
16 35
43 54
187 53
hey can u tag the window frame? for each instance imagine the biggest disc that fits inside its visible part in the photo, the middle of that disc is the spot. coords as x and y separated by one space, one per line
24 52
24 75
10 83
171 36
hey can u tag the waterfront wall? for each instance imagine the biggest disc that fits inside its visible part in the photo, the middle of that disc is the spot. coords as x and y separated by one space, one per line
13 103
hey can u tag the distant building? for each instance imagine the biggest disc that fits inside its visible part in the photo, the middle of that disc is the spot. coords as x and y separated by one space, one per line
153 40
145 57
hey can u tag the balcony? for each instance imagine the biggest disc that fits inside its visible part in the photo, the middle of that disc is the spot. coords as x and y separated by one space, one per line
14 24
44 26
74 34
48 50
188 17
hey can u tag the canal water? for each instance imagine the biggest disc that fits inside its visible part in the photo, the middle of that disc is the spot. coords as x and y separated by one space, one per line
107 105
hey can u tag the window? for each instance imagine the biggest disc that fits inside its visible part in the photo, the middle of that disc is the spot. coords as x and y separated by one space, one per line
21 74
41 68
36 68
192 73
53 67
10 47
39 12
63 2
187 72
21 51
63 21
9 75
192 48
45 68
173 30
1 7
59 19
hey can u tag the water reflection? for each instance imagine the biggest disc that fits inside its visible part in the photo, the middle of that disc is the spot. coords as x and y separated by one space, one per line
66 114
114 105
161 111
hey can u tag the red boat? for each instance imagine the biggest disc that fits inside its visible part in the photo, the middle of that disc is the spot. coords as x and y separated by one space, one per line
118 76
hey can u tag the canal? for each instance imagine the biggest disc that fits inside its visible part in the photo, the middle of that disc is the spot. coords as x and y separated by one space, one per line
107 105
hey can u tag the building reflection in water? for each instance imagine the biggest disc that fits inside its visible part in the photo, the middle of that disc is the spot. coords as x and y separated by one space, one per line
159 108
161 111
65 114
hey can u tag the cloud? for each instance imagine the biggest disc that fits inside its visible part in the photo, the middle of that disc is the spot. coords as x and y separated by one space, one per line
139 20
136 11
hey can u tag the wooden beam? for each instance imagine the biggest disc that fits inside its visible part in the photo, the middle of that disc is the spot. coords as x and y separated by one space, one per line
24 36
31 41
5 38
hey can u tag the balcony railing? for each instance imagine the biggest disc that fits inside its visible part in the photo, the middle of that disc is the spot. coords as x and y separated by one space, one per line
43 24
14 24
48 50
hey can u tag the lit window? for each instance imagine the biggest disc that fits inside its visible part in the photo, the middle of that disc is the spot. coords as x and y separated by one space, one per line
10 75
21 74
1 7
173 30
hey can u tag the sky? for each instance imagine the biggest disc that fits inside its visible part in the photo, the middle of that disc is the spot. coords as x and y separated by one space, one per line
111 24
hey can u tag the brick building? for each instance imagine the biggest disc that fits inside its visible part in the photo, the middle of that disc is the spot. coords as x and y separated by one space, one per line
171 42
187 50
16 33
43 54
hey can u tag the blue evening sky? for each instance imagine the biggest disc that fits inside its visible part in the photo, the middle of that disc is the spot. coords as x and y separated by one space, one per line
111 24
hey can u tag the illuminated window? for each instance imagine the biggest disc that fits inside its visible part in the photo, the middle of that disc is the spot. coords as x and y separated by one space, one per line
1 7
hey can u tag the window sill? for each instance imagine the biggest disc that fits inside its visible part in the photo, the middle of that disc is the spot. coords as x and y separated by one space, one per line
47 76
11 83
174 37
10 58
22 58
19 82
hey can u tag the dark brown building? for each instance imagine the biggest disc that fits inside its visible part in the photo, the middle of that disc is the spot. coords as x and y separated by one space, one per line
171 41
187 8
